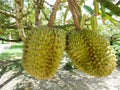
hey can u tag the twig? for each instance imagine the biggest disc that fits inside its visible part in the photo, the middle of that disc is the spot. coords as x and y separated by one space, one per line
45 15
53 14
48 4
77 9
7 13
75 5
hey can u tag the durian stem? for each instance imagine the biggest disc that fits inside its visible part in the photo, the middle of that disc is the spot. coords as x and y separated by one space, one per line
78 10
53 14
74 12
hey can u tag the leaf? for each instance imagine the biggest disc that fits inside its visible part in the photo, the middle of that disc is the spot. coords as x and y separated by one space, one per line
111 6
103 14
88 9
107 16
110 19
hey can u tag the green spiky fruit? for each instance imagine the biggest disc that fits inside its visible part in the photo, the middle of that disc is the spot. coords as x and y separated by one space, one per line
42 52
91 53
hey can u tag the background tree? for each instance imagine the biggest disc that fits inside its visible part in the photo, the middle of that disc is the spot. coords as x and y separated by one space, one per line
30 13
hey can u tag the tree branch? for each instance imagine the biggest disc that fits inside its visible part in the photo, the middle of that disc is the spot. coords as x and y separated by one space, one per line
48 4
19 18
114 8
10 40
27 26
7 13
37 12
9 26
74 14
53 14
77 9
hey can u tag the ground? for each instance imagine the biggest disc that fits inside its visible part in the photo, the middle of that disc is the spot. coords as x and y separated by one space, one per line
63 80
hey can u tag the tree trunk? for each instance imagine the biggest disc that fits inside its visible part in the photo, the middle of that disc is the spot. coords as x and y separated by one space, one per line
19 18
37 17
37 12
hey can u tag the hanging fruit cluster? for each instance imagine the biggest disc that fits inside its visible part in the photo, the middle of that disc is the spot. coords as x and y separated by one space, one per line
89 51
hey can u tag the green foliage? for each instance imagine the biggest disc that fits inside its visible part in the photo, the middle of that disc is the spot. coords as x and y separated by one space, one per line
6 34
5 5
117 49
12 57
114 8
110 30
112 33
12 53
88 9
68 66
103 11
16 65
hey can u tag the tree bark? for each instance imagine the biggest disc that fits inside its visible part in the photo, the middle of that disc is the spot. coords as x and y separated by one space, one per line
37 13
38 5
19 18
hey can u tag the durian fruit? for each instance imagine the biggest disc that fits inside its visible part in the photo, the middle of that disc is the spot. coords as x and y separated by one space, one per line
42 52
91 53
